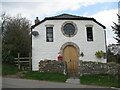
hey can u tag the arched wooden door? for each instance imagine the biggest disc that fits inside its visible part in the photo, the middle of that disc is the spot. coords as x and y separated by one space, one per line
71 57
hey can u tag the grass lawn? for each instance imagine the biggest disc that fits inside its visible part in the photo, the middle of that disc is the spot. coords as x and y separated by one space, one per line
49 76
9 69
100 80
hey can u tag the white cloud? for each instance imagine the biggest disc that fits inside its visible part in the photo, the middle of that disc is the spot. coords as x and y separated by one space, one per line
58 0
107 17
45 8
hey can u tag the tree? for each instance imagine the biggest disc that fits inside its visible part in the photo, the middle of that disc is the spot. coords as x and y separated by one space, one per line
16 38
5 18
116 29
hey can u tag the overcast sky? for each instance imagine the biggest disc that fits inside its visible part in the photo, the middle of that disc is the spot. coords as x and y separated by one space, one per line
104 11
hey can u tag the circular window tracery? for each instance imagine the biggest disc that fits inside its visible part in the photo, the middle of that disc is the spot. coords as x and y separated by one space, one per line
69 29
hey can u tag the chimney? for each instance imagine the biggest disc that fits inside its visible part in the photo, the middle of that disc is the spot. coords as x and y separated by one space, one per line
37 20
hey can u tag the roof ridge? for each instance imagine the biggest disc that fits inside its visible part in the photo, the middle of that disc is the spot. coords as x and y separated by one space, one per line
70 16
65 16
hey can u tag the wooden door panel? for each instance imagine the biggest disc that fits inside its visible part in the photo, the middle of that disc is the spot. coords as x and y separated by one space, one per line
71 57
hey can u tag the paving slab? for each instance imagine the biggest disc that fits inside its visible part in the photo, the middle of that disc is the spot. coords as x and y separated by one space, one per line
73 80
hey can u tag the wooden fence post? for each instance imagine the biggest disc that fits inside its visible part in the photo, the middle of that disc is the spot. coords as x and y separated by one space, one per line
30 61
19 61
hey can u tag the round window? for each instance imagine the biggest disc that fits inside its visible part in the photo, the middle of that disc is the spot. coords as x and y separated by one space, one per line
69 29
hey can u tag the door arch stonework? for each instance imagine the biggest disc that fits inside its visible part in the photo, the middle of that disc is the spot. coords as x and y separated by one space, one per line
72 44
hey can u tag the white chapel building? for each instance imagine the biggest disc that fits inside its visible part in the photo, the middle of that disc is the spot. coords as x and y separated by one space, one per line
73 37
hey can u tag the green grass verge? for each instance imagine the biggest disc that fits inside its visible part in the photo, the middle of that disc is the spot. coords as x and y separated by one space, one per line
8 69
100 80
48 76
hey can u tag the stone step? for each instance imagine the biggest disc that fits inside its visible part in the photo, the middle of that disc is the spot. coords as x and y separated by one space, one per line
73 74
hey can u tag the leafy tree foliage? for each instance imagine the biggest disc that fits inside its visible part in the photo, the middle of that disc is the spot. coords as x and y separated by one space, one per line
15 38
116 29
109 52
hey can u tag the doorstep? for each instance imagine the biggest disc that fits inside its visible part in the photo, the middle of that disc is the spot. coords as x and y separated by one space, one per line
73 80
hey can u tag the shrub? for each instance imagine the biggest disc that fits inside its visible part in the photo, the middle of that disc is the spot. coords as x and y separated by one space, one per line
99 54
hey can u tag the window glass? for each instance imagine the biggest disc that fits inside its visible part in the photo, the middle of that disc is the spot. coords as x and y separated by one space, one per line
89 34
69 29
49 34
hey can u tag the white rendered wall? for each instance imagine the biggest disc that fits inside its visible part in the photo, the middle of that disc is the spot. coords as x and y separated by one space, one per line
49 50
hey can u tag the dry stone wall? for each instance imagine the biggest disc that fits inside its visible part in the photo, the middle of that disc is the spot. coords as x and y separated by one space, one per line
84 67
53 66
99 68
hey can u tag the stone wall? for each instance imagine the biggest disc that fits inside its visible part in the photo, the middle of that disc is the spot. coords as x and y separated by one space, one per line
53 66
84 67
98 68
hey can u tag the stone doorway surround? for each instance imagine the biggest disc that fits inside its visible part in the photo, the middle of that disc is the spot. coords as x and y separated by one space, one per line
67 44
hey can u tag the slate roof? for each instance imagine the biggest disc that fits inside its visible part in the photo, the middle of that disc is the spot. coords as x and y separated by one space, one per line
67 17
